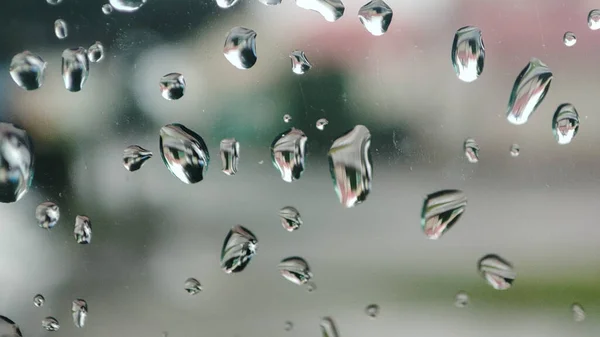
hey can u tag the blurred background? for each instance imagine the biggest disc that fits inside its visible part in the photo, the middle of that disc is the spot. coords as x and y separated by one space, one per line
152 232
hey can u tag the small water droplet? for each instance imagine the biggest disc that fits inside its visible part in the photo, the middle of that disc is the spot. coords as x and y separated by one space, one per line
8 328
569 39
468 53
230 155
134 156
441 210
127 5
95 52
287 118
496 271
350 166
300 64
372 310
261 162
288 326
83 229
311 286
287 154
328 328
290 218
172 86
471 150
79 311
594 19
50 324
515 150
192 286
331 10
376 17
38 301
47 215
16 163
75 68
240 47
565 123
270 2
238 249
578 312
528 92
295 269
461 299
107 9
27 70
321 123
184 153
54 2
226 3
60 29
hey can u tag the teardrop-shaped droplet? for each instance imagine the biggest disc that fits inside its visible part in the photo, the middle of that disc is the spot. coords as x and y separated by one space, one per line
321 123
496 271
331 10
594 19
471 150
107 9
172 86
240 47
372 310
134 156
288 326
50 324
8 328
287 118
60 29
350 166
441 210
184 153
461 299
83 229
192 286
528 91
569 39
47 215
38 301
468 53
54 2
295 269
95 52
565 123
27 70
238 249
16 163
328 328
290 218
300 64
376 17
515 150
75 68
226 3
578 312
127 5
230 155
79 311
287 154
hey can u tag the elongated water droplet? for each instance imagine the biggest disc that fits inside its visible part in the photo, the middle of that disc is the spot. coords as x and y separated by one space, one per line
134 156
321 123
60 29
240 47
16 163
50 324
311 286
192 286
295 269
184 153
594 19
350 166
287 118
238 249
8 328
96 52
230 154
172 86
290 218
372 310
328 328
38 301
107 9
471 150
287 154
127 5
515 150
578 312
569 39
565 123
300 64
468 53
75 68
528 91
461 299
27 70
376 17
226 3
496 271
270 2
83 229
54 2
47 215
288 326
79 311
441 210
331 10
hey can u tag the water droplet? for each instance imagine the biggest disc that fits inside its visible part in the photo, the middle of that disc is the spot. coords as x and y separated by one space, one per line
75 68
594 19
287 154
515 150
47 215
288 326
38 301
287 118
331 10
270 2
578 312
238 249
290 218
172 86
468 53
471 150
50 324
192 286
441 210
376 16
184 153
240 47
461 299
27 70
328 328
83 229
569 39
107 9
350 166
311 286
565 123
528 91
226 3
60 29
79 311
96 52
372 310
16 163
54 2
127 5
8 328
230 155
134 156
300 64
321 123
295 269
497 272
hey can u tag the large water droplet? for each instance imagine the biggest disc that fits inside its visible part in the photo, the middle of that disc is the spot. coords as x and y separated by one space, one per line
321 123
83 229
107 9
184 153
172 86
441 210
75 68
468 53
60 29
376 16
16 163
287 154
8 328
290 218
569 39
350 166
127 5
461 299
96 52
134 156
287 118
79 311
528 91
565 123
192 286
331 10
515 150
54 2
238 249
372 310
38 301
240 47
496 271
300 64
230 154
27 70
328 328
295 269
226 3
471 150
50 324
578 312
47 215
288 326
594 19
